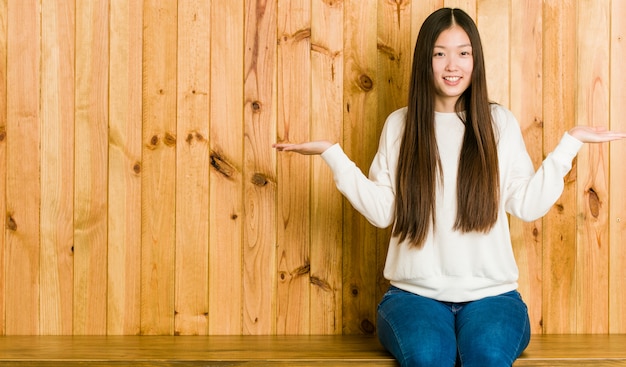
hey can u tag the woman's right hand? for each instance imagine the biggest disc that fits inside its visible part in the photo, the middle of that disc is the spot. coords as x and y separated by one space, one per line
308 148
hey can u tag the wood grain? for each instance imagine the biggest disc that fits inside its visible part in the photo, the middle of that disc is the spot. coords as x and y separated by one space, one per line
327 70
469 6
260 93
617 199
90 190
197 351
125 166
494 22
226 176
91 157
57 164
3 155
544 350
142 195
526 104
394 57
192 170
158 188
23 164
360 126
592 258
293 175
394 67
419 12
559 225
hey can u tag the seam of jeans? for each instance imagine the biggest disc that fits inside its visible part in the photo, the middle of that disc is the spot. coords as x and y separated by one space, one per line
395 335
519 342
458 353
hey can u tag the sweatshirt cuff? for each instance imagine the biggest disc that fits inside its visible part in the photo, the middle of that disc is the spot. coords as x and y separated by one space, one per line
336 158
566 150
568 147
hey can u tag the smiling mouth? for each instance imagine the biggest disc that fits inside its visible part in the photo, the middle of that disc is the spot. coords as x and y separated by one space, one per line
452 78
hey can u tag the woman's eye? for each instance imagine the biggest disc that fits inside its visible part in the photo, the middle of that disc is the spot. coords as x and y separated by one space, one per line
438 54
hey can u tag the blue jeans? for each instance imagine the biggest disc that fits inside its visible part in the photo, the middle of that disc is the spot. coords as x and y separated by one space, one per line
420 331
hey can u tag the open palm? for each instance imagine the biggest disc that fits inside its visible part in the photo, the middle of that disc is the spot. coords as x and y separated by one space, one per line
308 148
590 134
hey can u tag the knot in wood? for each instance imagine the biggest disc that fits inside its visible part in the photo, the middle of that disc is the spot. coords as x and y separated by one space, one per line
594 202
11 225
169 140
365 82
137 167
368 327
259 179
354 291
220 164
321 284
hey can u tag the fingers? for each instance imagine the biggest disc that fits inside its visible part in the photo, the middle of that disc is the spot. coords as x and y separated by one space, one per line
307 148
283 146
279 147
302 148
607 135
592 134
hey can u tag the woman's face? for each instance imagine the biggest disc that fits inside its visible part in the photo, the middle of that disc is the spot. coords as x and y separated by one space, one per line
452 64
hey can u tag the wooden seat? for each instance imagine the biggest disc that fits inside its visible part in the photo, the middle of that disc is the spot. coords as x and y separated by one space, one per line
544 350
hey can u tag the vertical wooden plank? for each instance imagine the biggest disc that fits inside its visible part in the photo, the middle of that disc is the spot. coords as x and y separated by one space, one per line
617 205
493 21
23 191
526 105
259 256
226 159
158 181
469 6
559 104
294 93
592 227
395 58
361 130
3 157
327 65
57 165
192 172
124 218
420 10
91 156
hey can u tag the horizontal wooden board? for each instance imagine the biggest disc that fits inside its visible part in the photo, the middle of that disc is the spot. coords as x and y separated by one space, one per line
331 350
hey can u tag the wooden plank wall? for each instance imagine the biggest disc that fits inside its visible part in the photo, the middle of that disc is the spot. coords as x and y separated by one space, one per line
142 196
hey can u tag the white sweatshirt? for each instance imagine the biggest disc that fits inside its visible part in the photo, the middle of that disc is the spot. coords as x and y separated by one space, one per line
454 266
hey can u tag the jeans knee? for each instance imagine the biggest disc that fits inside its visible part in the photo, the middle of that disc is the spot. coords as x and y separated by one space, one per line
413 351
427 359
487 357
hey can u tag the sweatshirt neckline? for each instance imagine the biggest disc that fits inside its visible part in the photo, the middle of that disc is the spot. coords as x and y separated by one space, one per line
448 116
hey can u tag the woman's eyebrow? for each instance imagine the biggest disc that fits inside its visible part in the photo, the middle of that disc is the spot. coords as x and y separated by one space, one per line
459 46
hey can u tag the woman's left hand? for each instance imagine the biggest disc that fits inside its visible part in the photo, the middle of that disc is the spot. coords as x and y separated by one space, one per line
592 134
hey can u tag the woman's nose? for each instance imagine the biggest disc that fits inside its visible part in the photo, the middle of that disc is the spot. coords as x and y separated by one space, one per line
450 64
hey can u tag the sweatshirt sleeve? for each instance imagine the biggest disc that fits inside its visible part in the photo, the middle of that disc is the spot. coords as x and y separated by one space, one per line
373 196
529 195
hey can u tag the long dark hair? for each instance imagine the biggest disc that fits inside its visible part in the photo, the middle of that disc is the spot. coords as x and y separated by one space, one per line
419 166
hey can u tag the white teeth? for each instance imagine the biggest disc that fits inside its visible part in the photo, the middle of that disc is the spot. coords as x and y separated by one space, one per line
452 78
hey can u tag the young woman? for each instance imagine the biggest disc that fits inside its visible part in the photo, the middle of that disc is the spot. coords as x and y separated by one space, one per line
448 168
